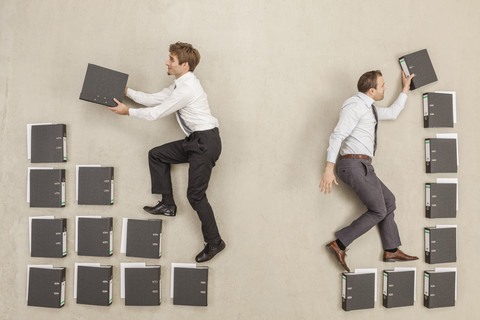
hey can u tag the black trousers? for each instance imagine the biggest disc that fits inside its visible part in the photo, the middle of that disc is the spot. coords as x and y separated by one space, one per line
201 150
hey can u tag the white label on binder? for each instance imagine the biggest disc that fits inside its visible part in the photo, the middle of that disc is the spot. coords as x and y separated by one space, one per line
110 286
427 150
344 287
63 193
426 285
64 148
111 190
111 242
427 195
385 284
405 68
64 243
425 105
160 245
62 294
427 240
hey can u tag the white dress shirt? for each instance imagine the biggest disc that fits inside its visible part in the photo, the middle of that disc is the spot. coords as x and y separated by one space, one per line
356 126
185 97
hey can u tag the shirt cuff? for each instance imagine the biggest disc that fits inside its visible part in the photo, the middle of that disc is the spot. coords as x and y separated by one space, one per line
130 93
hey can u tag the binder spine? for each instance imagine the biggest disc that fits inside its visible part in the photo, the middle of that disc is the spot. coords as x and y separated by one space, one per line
385 290
426 290
427 156
64 141
64 237
426 118
428 211
62 189
427 246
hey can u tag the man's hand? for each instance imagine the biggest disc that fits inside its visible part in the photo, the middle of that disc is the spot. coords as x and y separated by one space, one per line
120 109
327 179
406 82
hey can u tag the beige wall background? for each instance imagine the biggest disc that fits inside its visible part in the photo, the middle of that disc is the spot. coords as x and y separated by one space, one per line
276 73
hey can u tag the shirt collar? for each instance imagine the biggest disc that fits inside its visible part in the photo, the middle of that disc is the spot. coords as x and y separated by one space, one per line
185 77
369 101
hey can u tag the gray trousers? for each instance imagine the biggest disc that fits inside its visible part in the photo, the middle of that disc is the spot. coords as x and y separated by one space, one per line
379 200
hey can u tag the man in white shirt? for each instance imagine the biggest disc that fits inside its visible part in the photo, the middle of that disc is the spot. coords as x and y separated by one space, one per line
201 148
355 138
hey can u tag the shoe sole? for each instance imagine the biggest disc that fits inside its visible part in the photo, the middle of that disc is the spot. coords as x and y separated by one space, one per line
396 260
335 255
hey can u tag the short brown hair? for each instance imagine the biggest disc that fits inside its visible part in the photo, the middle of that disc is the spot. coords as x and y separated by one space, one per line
186 53
368 80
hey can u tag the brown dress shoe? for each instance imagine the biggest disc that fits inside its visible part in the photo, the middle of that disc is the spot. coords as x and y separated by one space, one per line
338 253
397 256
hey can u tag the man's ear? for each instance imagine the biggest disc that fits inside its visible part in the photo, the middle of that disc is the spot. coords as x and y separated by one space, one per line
185 64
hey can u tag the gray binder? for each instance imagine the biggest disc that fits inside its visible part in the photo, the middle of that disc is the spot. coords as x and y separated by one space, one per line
438 110
144 238
441 155
95 185
440 245
47 188
95 237
398 288
441 200
419 63
101 85
358 290
94 285
48 143
48 238
142 286
190 286
46 287
439 289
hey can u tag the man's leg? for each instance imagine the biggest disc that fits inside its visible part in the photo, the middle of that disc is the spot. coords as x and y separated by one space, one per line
204 150
361 177
159 160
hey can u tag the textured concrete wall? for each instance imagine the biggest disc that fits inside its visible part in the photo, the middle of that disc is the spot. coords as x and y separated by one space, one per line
276 73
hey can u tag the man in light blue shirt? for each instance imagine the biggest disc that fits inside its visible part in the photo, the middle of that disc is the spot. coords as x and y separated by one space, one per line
354 138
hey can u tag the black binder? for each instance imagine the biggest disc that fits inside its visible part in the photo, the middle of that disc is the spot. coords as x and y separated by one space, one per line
49 238
190 286
398 288
437 110
48 143
101 85
439 289
94 285
358 290
95 185
142 286
441 155
440 245
419 63
144 238
95 237
47 188
46 287
441 200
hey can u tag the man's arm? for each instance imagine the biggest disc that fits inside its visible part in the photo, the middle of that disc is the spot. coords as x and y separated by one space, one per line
392 112
328 178
120 109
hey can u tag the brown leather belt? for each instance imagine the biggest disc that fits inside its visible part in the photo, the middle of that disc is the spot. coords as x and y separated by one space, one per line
356 156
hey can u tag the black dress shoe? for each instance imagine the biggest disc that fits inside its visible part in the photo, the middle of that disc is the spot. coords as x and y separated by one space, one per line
209 252
163 209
